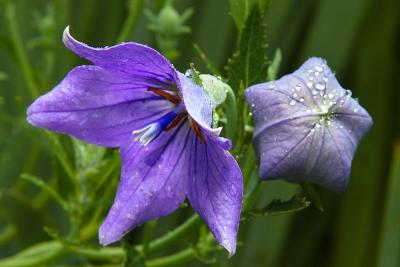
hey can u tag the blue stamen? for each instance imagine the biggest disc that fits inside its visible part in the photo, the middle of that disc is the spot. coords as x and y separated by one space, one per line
148 133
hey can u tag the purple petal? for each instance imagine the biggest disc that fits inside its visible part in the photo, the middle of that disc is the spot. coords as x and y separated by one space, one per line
153 182
98 106
215 189
307 127
132 58
197 102
199 107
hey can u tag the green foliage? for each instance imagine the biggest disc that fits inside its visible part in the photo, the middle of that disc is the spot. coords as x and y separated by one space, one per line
41 173
274 67
278 207
240 10
249 63
389 241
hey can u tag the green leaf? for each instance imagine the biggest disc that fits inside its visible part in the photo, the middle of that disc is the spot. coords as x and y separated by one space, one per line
389 245
240 9
277 207
274 67
249 63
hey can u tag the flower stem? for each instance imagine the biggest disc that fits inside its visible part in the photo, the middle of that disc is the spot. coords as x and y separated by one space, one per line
173 236
19 50
135 9
34 256
172 260
7 233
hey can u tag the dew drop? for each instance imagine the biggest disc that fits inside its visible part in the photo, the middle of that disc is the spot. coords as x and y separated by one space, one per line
318 125
314 92
320 86
309 84
295 95
318 68
330 95
301 99
292 103
355 110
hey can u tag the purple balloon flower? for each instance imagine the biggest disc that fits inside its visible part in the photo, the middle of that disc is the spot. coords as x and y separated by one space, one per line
133 98
307 127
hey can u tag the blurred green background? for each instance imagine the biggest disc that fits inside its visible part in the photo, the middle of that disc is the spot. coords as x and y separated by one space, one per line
360 39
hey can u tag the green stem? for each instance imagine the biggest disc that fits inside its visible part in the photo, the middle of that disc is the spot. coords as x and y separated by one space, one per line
19 50
148 234
41 184
110 254
63 158
173 236
173 260
34 256
7 234
135 9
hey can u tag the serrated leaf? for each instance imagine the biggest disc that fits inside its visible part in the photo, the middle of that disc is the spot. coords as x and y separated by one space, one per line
277 207
249 63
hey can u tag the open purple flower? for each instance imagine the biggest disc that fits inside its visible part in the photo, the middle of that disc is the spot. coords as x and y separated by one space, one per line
307 127
133 98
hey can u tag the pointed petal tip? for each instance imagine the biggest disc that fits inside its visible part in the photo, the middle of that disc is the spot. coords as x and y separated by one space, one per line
229 246
106 236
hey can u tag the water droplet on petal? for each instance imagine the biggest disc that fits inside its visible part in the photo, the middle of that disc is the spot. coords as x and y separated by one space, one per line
292 103
319 68
330 95
309 84
320 86
301 99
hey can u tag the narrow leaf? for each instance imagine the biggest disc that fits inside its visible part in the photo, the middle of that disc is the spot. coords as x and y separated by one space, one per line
389 246
274 67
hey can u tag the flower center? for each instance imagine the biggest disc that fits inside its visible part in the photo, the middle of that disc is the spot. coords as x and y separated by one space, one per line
168 121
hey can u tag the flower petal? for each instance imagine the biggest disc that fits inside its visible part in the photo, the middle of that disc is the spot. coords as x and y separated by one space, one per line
197 102
98 106
307 127
132 58
198 105
153 182
215 189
